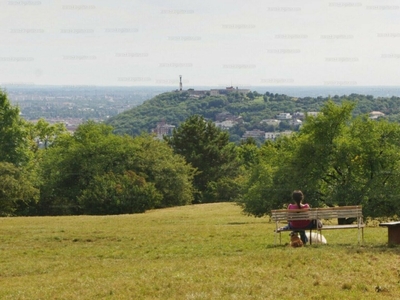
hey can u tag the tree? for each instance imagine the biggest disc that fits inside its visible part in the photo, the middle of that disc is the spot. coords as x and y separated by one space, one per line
267 186
47 133
314 161
372 171
75 167
14 145
336 159
248 152
206 148
119 194
72 162
250 95
15 188
169 172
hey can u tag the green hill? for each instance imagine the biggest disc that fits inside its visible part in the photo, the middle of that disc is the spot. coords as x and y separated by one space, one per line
175 107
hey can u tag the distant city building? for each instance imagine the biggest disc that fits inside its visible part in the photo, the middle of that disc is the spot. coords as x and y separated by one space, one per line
226 120
298 115
284 116
214 92
230 89
197 93
254 134
272 136
295 122
223 116
162 129
226 124
273 122
226 116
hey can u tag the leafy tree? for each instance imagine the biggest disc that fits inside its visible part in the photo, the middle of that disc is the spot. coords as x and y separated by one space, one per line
267 186
250 95
74 166
351 161
72 161
370 169
206 148
17 167
119 194
336 159
249 152
15 188
41 134
14 145
47 133
169 172
316 149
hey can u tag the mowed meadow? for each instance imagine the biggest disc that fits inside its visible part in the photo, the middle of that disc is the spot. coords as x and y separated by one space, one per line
207 251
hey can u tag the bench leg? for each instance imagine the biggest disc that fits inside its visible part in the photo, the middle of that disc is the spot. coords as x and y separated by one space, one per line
275 237
362 233
361 236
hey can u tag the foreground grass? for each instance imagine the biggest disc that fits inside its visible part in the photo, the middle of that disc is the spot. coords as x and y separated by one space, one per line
209 251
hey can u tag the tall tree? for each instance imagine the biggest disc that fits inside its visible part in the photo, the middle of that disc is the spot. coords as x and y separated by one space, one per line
336 159
15 188
170 173
14 145
207 148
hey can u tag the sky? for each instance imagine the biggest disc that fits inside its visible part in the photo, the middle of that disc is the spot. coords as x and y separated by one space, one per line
209 42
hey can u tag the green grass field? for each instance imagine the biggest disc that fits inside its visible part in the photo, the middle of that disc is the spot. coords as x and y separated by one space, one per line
209 251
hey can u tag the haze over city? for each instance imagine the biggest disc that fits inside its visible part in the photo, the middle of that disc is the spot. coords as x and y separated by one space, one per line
211 43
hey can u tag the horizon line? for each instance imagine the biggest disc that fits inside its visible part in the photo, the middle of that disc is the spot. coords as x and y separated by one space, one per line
172 86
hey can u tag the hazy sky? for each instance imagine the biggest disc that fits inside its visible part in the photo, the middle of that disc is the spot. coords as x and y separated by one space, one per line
211 43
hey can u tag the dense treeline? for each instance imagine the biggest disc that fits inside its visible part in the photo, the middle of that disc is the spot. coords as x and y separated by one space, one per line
176 107
97 172
336 158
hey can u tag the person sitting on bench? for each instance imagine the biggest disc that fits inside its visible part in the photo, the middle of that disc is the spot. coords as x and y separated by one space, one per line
300 225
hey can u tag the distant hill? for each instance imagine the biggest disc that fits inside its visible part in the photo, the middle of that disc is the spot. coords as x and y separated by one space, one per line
252 108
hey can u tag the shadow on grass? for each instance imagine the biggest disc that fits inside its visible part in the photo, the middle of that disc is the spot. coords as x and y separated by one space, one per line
245 223
374 248
350 248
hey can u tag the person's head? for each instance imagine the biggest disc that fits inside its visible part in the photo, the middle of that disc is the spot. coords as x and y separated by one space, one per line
298 197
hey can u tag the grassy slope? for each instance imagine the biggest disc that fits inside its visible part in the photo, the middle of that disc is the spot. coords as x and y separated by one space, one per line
208 251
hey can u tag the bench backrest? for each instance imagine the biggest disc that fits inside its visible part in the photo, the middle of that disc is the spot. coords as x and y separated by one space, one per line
278 215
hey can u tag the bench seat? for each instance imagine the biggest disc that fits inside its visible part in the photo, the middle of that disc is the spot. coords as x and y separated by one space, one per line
325 213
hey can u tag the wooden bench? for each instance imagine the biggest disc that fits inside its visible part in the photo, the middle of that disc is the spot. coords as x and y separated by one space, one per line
287 215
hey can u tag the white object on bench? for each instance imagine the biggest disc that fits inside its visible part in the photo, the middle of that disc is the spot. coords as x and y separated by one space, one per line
324 213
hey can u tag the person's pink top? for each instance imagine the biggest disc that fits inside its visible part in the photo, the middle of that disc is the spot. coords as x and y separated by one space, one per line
300 223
